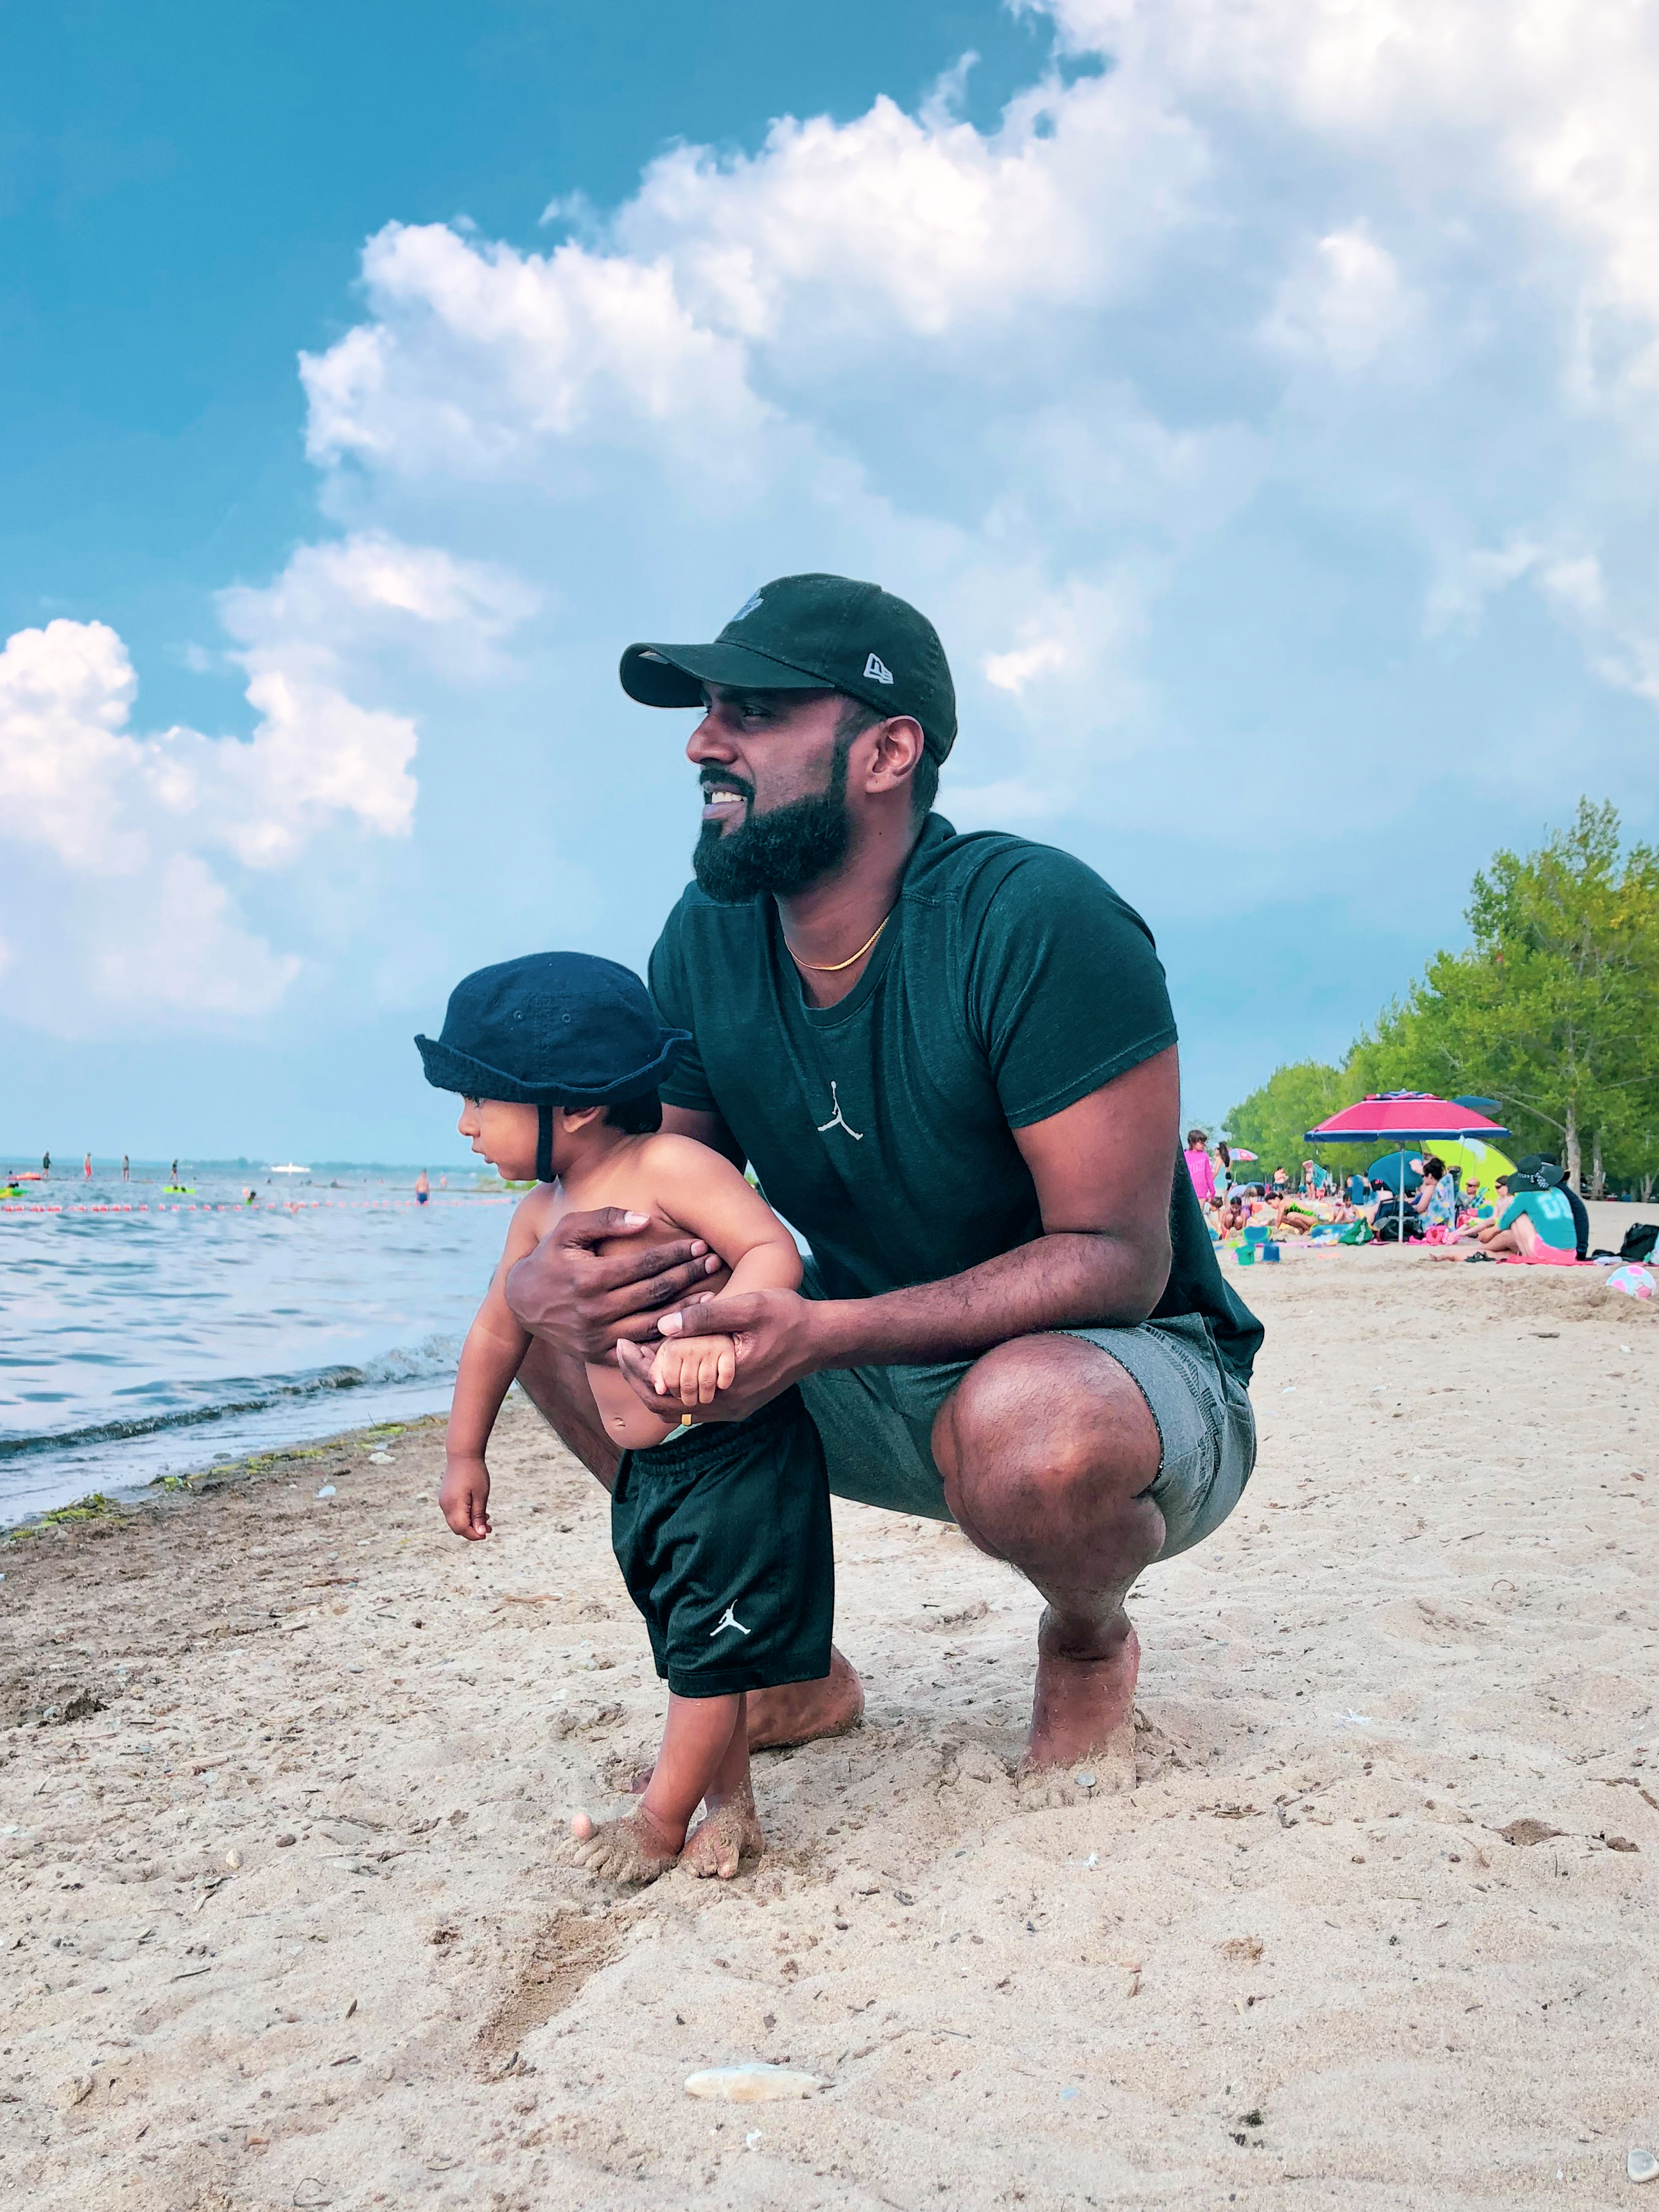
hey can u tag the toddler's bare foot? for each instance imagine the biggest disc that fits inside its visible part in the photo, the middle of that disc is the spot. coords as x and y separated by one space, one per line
636 1849
731 1833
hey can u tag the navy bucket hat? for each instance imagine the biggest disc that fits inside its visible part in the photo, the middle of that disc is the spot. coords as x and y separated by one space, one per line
554 1029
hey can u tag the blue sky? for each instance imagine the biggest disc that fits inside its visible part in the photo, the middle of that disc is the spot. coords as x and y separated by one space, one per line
1258 394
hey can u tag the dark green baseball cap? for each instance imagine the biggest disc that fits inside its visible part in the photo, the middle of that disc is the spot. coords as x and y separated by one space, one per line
808 634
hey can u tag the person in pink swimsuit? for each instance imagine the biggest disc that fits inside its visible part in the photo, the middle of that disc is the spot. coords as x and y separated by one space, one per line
1200 1166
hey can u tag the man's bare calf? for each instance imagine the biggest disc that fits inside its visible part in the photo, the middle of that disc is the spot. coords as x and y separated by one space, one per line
704 1760
1047 1450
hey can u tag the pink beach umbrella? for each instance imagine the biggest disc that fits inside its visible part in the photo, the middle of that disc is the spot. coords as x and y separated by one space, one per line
1403 1117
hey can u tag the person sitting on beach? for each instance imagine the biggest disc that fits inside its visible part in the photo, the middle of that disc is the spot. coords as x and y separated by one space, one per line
1436 1203
722 1533
1233 1212
1536 1225
1552 1176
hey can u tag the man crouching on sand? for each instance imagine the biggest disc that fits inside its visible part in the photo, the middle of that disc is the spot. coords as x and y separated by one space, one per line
950 1062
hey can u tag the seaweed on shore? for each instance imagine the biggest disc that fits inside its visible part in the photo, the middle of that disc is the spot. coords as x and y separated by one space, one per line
95 1506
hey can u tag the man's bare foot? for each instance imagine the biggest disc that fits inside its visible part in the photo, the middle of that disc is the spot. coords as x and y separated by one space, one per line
636 1849
730 1834
1084 1706
800 1712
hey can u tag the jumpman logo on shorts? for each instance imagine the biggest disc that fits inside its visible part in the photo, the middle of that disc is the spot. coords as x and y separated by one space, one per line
838 1120
728 1619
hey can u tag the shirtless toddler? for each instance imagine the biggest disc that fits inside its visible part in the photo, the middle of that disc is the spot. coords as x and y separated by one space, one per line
722 1531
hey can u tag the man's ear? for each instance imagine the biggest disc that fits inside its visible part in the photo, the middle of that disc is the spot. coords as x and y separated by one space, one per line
899 747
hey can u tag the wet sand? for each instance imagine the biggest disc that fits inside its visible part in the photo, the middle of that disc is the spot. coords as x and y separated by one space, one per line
279 1776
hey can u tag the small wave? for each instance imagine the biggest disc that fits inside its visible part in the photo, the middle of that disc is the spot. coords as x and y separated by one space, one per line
243 1394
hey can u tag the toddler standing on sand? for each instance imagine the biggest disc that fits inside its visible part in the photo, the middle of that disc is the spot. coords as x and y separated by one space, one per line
722 1532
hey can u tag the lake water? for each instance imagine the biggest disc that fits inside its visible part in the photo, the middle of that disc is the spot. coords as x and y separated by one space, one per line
152 1341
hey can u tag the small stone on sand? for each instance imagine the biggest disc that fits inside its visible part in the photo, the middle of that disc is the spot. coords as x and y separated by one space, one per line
1525 1832
327 1491
1640 2165
753 2083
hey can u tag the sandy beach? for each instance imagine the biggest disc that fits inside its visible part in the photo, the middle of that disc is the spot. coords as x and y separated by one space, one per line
1375 1926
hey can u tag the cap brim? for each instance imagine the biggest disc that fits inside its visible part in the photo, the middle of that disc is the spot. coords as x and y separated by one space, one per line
674 675
449 1070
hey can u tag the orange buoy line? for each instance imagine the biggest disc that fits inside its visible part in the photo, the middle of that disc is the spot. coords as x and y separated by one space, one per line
271 1205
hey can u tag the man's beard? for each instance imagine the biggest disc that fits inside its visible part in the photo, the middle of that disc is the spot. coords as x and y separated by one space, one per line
782 851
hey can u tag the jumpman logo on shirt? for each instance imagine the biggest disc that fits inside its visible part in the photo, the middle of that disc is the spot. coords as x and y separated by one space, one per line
728 1619
838 1120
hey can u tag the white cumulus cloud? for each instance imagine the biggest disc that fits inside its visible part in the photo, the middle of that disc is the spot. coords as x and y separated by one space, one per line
1272 398
132 823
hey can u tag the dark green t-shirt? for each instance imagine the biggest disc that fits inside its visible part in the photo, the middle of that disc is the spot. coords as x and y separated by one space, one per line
1010 983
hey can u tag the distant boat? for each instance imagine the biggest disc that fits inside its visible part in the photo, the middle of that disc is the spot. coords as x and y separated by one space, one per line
290 1167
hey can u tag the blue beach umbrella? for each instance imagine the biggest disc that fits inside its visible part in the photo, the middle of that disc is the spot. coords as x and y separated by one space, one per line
1398 1169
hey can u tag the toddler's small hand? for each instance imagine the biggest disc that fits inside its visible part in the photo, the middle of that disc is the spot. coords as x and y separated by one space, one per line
694 1368
464 1497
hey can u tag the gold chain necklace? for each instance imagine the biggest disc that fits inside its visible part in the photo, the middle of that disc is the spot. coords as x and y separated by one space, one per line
835 967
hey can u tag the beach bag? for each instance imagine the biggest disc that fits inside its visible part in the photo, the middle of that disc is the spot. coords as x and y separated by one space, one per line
1357 1232
1639 1240
1388 1226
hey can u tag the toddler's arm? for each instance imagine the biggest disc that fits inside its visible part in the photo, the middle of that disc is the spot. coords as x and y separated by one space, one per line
490 1358
706 1195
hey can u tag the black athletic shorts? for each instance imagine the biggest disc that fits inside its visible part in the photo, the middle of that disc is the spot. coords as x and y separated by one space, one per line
722 1534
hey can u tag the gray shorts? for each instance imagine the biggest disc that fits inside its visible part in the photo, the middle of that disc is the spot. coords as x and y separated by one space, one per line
877 1426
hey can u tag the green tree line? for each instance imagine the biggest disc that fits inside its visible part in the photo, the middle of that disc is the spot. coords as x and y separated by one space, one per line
1552 1009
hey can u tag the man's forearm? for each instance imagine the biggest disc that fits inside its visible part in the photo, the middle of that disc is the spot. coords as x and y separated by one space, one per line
1060 1281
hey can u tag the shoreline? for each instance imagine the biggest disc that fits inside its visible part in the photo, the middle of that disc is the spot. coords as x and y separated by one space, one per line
165 1491
289 1926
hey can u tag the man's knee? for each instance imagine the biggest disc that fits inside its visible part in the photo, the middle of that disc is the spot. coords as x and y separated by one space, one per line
1052 1414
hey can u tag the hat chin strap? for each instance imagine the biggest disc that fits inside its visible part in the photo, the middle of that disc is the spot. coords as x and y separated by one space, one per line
544 1142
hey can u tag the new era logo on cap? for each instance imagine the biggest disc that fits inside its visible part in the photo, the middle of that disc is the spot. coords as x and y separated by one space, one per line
877 672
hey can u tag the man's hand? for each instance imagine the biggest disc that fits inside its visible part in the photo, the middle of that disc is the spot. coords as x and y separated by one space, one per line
463 1498
775 1337
570 1298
